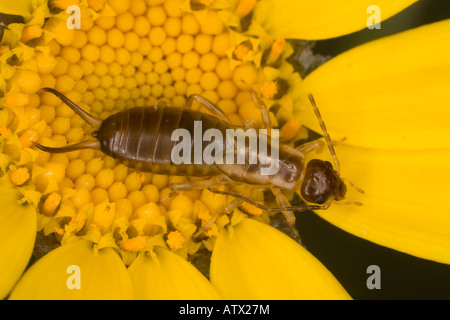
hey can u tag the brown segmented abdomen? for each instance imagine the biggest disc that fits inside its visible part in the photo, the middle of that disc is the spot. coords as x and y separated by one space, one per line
142 138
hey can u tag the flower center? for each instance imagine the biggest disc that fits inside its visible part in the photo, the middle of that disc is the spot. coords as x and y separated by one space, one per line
128 54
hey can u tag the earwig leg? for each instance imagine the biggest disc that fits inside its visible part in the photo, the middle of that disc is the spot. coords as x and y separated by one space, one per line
284 203
263 108
263 207
203 229
199 184
72 147
96 123
288 215
208 105
315 145
310 146
169 195
230 207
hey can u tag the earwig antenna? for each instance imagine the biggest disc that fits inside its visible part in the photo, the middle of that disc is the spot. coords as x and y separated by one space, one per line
326 135
353 185
96 123
355 203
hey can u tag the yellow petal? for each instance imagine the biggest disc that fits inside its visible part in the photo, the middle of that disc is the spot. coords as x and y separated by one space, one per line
321 19
389 93
257 261
73 271
405 205
17 235
169 277
18 7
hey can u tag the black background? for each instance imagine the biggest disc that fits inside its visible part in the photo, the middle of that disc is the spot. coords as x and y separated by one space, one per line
346 256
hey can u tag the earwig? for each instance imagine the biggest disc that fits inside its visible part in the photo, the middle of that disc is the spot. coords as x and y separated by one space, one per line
140 138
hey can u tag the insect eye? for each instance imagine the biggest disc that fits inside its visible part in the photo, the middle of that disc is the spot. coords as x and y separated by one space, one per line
320 200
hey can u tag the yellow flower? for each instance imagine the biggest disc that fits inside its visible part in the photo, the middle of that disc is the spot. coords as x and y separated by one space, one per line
390 106
17 234
316 20
120 234
244 254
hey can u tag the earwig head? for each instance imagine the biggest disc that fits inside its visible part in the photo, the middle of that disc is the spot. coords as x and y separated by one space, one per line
322 182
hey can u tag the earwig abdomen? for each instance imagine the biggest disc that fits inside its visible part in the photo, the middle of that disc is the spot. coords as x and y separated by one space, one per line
141 138
288 175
